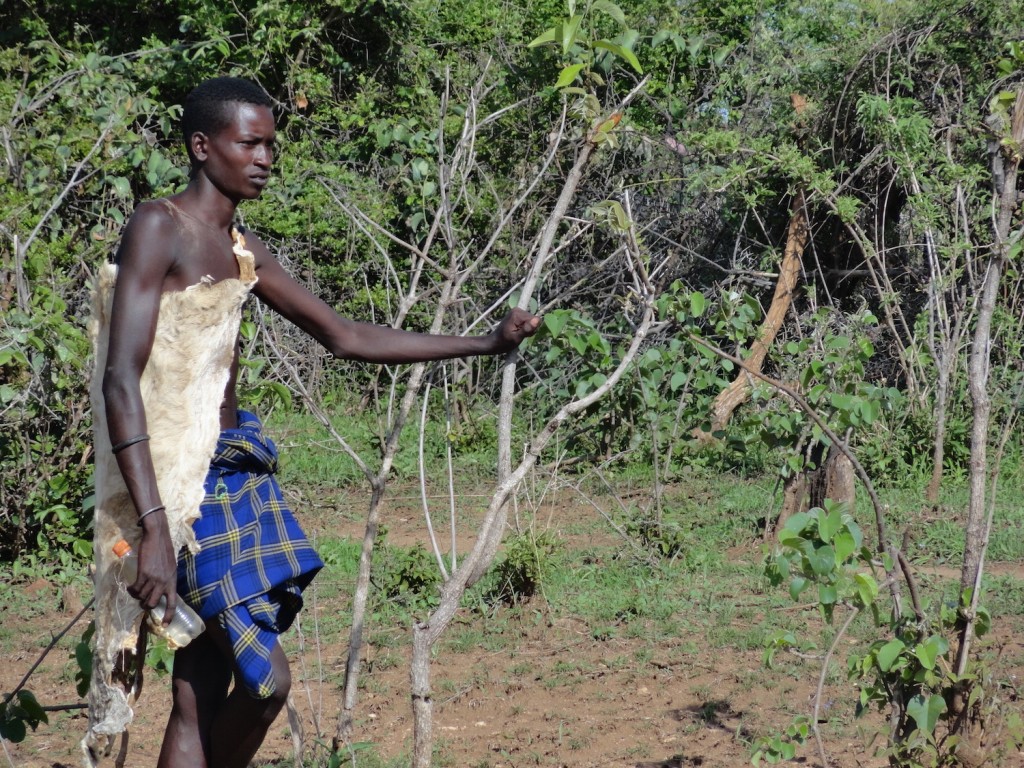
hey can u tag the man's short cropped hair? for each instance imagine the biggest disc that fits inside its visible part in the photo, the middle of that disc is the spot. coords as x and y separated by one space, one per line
206 107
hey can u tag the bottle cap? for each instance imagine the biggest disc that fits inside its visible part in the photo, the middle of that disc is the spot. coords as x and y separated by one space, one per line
122 548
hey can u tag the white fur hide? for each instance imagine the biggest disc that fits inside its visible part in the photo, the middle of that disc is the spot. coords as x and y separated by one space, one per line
182 388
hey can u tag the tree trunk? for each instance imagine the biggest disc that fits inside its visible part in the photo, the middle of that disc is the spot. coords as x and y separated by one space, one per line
794 499
343 729
422 704
1005 163
833 478
834 481
931 495
426 633
736 393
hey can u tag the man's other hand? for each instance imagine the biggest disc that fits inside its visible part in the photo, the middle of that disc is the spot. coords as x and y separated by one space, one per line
516 326
158 566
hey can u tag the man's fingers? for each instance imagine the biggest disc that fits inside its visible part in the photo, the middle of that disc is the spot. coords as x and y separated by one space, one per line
527 323
138 590
141 594
172 606
149 593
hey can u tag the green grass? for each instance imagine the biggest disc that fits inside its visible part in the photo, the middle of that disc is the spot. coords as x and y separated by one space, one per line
936 536
312 458
611 589
1004 596
362 754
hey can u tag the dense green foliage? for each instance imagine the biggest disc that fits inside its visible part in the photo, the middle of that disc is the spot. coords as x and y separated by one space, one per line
711 154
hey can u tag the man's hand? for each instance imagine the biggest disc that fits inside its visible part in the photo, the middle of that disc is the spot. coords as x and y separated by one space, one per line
158 567
516 326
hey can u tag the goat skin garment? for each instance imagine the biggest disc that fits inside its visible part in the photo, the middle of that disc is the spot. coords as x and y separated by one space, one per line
182 387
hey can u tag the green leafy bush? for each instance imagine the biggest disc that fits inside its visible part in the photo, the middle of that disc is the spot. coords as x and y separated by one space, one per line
407 576
526 564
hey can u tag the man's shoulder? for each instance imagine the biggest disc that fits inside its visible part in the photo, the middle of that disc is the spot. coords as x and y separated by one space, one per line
153 217
160 209
254 244
150 237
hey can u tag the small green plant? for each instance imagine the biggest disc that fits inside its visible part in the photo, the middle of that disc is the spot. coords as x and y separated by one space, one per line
159 655
585 51
362 753
18 713
255 390
830 366
528 560
83 658
408 576
20 710
782 746
908 670
825 548
663 539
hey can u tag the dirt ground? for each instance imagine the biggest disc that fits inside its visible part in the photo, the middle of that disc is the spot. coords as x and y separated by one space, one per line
553 695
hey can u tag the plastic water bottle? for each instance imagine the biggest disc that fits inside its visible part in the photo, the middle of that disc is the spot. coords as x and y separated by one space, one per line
186 625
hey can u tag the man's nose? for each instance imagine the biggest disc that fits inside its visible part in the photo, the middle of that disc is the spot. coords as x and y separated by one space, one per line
264 157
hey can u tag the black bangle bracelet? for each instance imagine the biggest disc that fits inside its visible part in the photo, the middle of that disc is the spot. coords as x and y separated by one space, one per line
130 441
150 512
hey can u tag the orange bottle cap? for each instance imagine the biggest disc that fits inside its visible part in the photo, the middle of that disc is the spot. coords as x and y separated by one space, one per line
121 548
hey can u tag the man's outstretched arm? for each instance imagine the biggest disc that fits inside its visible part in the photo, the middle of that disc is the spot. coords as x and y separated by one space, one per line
371 343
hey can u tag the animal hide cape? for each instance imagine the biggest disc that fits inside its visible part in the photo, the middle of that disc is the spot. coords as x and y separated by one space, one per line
182 388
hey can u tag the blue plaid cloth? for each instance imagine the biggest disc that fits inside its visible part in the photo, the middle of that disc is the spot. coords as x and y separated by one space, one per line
254 559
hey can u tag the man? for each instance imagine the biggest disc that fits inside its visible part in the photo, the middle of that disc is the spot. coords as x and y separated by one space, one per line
183 264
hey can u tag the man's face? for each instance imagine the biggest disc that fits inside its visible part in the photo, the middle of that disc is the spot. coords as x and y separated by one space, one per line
238 158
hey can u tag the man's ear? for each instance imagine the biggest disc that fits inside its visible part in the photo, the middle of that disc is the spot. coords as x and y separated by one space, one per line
199 144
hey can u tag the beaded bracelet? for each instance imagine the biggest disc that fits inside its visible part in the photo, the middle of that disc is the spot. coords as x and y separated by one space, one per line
150 512
130 441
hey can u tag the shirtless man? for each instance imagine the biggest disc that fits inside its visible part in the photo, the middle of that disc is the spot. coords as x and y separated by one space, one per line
229 134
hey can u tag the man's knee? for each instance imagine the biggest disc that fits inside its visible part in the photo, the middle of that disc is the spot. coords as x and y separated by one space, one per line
282 678
274 702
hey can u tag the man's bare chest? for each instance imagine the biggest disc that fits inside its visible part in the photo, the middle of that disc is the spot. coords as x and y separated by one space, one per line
202 251
202 254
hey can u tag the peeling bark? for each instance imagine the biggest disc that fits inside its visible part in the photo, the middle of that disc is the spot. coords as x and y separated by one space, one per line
730 398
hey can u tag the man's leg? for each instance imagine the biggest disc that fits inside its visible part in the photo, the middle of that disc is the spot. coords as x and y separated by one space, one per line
199 689
242 721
